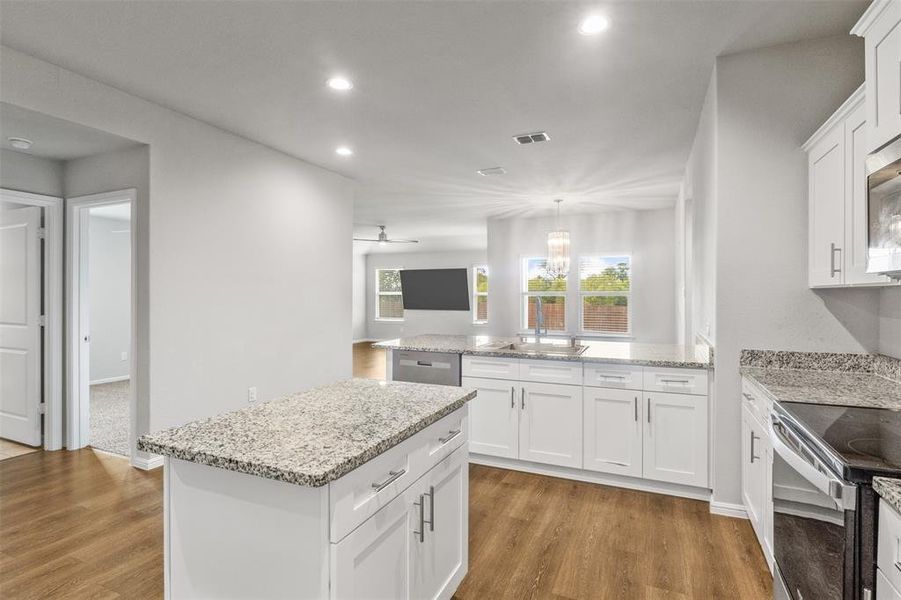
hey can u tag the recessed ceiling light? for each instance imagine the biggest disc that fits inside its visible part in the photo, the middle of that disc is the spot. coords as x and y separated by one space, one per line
593 25
19 143
343 151
340 83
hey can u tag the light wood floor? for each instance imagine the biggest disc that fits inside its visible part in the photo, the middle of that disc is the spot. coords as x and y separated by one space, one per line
86 525
10 449
369 362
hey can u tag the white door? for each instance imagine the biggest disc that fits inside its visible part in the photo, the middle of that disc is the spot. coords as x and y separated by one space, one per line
550 427
493 417
439 564
753 474
373 561
613 426
826 164
20 325
675 438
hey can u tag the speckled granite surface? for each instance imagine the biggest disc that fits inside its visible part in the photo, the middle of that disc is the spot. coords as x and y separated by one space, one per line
313 437
840 388
654 355
890 490
879 364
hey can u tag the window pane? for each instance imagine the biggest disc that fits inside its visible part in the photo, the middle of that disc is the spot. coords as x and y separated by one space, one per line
554 310
391 307
389 280
605 273
481 279
538 280
481 308
609 314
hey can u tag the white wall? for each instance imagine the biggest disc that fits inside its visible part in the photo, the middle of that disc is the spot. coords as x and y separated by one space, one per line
358 303
417 322
25 173
231 233
109 268
890 322
646 235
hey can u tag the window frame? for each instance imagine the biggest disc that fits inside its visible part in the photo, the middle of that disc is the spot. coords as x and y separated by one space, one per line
525 294
584 294
476 294
379 294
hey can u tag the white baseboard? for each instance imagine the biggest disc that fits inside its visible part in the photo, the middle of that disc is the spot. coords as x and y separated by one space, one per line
632 483
109 380
147 463
728 509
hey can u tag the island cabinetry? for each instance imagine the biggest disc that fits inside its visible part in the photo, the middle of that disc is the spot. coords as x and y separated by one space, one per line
614 421
757 465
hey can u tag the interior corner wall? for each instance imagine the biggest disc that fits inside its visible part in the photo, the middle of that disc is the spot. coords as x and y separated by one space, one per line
768 102
360 331
418 322
890 322
234 230
25 173
109 272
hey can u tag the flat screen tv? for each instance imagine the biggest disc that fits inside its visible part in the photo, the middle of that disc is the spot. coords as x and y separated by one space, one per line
435 289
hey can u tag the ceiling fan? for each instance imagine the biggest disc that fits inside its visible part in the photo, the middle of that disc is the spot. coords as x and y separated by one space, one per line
383 238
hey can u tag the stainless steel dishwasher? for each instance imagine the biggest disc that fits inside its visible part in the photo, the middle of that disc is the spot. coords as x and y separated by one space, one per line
442 368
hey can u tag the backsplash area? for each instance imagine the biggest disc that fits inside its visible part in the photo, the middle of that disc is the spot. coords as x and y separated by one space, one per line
878 364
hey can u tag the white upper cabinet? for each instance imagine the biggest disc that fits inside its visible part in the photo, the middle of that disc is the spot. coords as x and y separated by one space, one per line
880 26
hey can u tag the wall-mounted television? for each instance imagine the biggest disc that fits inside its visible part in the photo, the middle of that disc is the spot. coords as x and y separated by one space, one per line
435 289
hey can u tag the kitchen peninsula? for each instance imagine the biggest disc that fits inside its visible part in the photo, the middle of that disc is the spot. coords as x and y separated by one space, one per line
350 490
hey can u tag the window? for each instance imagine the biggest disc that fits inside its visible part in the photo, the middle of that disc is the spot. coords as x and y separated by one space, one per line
605 284
480 294
389 302
536 283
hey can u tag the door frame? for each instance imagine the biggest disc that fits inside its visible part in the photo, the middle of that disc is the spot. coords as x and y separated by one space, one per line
77 424
53 310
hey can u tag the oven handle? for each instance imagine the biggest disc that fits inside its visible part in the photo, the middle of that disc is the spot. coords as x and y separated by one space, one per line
844 494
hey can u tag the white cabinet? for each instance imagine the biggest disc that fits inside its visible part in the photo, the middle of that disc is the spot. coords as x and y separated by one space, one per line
494 417
550 429
613 431
880 26
888 546
757 467
675 438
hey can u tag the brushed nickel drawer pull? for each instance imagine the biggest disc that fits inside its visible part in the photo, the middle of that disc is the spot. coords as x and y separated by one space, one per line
431 520
675 381
392 477
421 505
512 394
451 435
636 409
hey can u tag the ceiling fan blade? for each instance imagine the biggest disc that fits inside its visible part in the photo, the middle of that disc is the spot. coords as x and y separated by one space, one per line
364 240
393 241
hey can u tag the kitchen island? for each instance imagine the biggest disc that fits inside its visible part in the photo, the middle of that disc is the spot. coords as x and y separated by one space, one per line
357 489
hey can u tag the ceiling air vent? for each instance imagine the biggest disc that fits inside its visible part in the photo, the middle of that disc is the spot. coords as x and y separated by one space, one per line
492 171
528 138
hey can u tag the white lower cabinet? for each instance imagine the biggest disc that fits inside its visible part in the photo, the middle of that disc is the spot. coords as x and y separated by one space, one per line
494 417
613 431
675 438
757 468
550 427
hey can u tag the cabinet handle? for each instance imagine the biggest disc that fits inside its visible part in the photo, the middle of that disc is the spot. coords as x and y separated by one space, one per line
431 520
421 505
450 435
674 381
636 409
832 268
512 394
753 439
392 477
613 377
649 409
522 397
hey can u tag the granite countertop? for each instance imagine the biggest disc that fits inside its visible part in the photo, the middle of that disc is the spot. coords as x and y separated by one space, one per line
839 388
313 437
650 355
890 491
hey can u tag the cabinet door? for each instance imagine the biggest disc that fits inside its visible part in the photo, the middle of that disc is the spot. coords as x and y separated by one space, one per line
883 76
374 561
675 438
440 563
493 417
768 504
753 477
550 428
612 431
826 202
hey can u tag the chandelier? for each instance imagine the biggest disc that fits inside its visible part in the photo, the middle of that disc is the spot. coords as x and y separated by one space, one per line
558 249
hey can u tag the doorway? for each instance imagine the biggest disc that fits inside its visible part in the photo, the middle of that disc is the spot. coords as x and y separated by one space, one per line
101 330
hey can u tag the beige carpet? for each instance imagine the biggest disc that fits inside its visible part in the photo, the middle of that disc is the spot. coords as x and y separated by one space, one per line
109 417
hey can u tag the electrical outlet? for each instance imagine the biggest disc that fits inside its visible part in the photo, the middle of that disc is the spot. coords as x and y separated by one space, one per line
124 356
251 394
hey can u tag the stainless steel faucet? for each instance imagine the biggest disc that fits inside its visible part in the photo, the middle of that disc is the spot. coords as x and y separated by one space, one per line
539 319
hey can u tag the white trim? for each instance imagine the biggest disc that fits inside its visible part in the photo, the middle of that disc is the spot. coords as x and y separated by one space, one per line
631 483
583 294
849 105
476 294
109 380
869 16
361 340
154 461
76 232
728 509
53 310
376 316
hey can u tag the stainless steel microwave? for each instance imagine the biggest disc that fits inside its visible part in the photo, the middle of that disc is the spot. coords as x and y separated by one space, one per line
884 210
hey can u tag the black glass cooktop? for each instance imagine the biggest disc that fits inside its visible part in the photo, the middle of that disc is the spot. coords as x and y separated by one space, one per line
865 441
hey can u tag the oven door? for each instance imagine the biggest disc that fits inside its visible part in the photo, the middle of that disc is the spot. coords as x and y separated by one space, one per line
813 521
884 210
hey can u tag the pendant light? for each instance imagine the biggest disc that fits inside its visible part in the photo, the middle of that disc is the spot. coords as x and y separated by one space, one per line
558 249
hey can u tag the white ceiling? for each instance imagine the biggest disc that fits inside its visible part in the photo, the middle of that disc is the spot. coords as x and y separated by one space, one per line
55 138
440 88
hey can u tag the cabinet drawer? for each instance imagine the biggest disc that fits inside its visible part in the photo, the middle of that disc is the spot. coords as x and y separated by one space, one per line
361 493
624 377
680 381
884 589
490 367
888 546
551 371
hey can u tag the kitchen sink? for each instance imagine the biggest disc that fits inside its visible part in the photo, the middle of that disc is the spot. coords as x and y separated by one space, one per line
545 348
